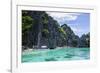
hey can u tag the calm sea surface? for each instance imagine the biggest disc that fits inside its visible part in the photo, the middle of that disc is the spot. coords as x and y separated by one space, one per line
58 54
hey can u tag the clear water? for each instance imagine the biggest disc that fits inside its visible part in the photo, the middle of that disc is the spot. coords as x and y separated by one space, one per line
58 54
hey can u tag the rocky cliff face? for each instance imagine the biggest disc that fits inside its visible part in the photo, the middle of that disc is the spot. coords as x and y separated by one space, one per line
40 29
85 40
71 39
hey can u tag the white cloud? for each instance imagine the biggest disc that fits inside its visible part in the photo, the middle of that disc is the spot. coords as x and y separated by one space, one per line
64 16
74 29
77 29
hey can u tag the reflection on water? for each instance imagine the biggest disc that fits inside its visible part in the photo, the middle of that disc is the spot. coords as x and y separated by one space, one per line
59 54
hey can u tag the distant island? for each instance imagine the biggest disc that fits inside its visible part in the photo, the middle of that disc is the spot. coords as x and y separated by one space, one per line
41 31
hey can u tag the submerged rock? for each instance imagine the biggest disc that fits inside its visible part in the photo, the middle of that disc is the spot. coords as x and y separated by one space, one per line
50 59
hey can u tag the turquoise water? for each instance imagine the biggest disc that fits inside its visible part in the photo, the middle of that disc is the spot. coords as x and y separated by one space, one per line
58 54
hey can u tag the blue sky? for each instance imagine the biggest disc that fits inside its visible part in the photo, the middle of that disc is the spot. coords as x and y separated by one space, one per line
79 22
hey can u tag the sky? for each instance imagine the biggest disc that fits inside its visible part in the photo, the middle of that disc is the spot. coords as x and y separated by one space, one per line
78 22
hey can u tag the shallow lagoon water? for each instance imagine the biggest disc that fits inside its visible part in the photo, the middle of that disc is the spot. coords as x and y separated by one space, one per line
58 54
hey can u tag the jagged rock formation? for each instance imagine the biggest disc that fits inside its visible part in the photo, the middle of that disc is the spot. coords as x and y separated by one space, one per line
40 29
85 40
71 39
